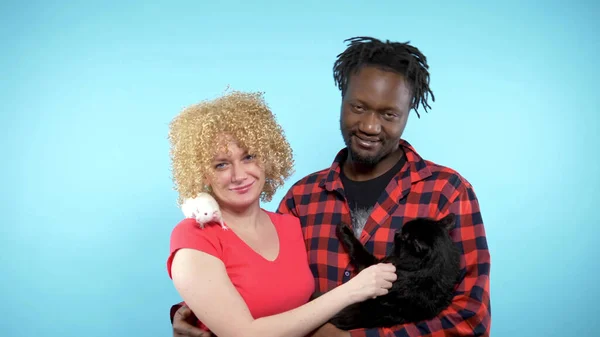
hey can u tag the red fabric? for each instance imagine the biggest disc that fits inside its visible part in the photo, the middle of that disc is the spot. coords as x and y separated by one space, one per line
268 288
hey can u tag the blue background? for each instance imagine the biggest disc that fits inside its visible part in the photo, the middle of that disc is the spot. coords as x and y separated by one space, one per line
87 91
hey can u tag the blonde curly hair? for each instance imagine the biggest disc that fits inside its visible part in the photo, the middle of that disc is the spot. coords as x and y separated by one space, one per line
196 132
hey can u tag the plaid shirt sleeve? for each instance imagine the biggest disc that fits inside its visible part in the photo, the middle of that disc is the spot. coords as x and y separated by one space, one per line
469 312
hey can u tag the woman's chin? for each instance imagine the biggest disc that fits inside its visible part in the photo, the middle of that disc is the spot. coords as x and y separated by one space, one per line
241 202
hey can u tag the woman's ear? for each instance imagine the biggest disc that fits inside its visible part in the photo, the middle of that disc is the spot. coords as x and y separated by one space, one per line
266 167
206 184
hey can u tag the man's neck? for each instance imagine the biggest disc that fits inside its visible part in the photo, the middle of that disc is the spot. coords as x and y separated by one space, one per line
362 172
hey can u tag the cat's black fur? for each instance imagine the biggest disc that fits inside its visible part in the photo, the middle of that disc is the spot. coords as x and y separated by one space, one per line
428 267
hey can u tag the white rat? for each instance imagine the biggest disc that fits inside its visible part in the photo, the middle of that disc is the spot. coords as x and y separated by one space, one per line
204 208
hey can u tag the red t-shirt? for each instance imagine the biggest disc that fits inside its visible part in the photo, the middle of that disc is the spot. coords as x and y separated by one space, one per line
267 287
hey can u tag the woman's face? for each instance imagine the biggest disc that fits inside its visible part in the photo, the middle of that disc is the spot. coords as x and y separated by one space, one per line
238 179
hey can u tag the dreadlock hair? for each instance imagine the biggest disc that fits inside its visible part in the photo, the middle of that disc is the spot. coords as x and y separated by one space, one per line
395 56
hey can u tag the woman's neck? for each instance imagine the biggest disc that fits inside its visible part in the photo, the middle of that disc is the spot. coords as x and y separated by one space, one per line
246 218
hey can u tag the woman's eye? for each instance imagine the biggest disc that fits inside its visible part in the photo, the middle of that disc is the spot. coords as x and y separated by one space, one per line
220 165
249 157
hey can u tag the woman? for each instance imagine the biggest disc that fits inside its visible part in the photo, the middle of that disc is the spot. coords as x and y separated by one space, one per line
252 278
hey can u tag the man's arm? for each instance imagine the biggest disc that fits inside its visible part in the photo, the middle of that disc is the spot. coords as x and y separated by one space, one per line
469 313
184 322
174 309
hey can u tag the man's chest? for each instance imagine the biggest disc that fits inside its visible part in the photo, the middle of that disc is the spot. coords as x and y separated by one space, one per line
322 244
327 258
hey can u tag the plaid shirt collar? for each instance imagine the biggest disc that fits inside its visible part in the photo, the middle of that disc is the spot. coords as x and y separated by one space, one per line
415 169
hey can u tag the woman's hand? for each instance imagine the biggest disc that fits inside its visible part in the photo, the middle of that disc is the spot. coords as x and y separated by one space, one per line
373 281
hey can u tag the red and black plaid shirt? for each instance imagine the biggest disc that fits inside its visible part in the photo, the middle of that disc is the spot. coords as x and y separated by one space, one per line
420 189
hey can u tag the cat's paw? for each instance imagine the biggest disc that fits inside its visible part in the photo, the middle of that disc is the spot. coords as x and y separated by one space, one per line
343 231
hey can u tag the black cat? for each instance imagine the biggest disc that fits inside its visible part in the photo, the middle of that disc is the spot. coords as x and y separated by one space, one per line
428 267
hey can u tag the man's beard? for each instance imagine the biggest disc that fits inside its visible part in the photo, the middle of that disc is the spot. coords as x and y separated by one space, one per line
358 158
363 160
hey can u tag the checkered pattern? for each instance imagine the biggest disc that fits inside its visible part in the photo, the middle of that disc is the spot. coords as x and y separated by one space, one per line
421 189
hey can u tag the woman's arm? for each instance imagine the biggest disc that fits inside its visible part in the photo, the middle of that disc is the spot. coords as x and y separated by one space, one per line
203 283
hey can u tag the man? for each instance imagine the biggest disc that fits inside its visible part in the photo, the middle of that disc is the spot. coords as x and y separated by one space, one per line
378 183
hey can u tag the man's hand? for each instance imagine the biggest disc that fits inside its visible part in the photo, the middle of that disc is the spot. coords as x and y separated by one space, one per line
329 330
183 324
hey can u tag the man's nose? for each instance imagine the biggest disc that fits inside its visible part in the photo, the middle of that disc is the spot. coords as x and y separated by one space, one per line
370 123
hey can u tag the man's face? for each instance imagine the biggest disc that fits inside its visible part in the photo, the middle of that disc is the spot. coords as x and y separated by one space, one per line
374 113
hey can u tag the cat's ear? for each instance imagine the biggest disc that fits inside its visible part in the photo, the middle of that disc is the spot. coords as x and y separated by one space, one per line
448 221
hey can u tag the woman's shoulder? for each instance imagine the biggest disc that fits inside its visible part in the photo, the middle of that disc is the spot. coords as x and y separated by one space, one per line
187 223
188 234
189 228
